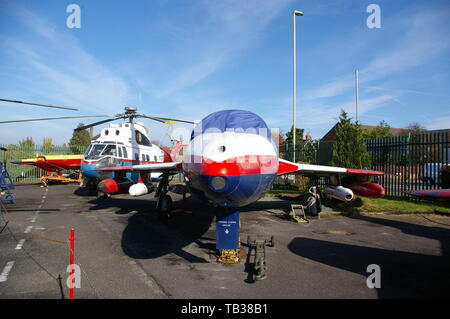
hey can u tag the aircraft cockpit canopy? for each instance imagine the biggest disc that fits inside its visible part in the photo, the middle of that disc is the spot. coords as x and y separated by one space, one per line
99 150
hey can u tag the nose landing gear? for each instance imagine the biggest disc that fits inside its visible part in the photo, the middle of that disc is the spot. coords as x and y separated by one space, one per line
227 234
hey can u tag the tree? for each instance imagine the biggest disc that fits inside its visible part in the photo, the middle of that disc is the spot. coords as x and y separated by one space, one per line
47 143
380 131
26 147
349 149
415 128
309 150
27 142
290 142
298 136
80 139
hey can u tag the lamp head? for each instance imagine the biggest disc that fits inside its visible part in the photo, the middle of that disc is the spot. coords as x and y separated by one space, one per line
297 13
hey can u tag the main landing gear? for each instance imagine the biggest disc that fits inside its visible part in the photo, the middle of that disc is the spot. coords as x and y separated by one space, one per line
164 201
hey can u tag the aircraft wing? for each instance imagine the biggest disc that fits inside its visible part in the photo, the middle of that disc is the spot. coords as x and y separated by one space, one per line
52 163
169 167
286 167
354 181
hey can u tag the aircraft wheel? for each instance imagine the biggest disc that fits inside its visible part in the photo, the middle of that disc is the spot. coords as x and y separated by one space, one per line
103 196
312 206
83 183
165 205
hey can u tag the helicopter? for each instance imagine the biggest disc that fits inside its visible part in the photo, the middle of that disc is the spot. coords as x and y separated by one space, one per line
122 144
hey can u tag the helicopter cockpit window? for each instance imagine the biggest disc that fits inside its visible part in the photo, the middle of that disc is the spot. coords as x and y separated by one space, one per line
110 150
97 150
88 150
141 139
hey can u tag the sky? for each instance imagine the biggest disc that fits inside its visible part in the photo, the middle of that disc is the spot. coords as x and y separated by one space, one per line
186 59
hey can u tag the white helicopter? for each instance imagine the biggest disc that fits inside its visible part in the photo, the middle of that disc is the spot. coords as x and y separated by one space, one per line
121 144
124 144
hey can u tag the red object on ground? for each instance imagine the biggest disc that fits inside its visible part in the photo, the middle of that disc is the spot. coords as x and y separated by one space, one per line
368 189
114 186
72 261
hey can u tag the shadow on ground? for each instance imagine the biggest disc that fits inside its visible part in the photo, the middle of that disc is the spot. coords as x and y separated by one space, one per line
403 274
149 234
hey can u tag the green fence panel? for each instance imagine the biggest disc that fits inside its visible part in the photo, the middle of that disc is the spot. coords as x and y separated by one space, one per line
29 173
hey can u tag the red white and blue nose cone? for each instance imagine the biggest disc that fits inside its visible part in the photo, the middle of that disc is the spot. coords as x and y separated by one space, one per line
231 157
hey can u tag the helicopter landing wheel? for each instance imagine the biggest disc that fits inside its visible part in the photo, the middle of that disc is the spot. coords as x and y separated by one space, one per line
103 196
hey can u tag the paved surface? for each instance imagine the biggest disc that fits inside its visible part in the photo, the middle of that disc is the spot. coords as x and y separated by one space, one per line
126 251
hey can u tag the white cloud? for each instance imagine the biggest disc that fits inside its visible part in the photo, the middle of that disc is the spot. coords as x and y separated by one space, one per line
53 67
58 65
423 38
219 37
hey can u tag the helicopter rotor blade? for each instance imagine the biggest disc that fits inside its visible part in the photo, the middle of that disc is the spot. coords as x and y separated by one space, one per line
54 118
95 124
39 104
166 120
153 118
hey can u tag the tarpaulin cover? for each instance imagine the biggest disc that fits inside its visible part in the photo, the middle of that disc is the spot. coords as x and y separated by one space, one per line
232 120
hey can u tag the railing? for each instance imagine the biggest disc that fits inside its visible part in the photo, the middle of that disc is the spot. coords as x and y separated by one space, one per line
29 173
410 162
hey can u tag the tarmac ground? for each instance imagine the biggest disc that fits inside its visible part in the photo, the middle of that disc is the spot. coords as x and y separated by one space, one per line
126 250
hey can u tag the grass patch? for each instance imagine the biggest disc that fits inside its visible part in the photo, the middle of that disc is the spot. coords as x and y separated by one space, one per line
394 205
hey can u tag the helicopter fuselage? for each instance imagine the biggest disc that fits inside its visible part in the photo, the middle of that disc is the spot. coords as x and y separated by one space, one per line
121 145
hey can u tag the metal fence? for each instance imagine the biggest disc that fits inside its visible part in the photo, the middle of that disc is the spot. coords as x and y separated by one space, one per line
28 173
411 162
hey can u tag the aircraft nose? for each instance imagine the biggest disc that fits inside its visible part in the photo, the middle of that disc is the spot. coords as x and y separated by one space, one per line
221 177
225 168
88 169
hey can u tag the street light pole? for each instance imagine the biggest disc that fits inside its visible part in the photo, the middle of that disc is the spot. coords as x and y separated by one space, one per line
294 99
357 92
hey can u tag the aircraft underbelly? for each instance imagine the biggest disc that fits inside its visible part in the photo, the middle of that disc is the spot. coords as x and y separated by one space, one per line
240 190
